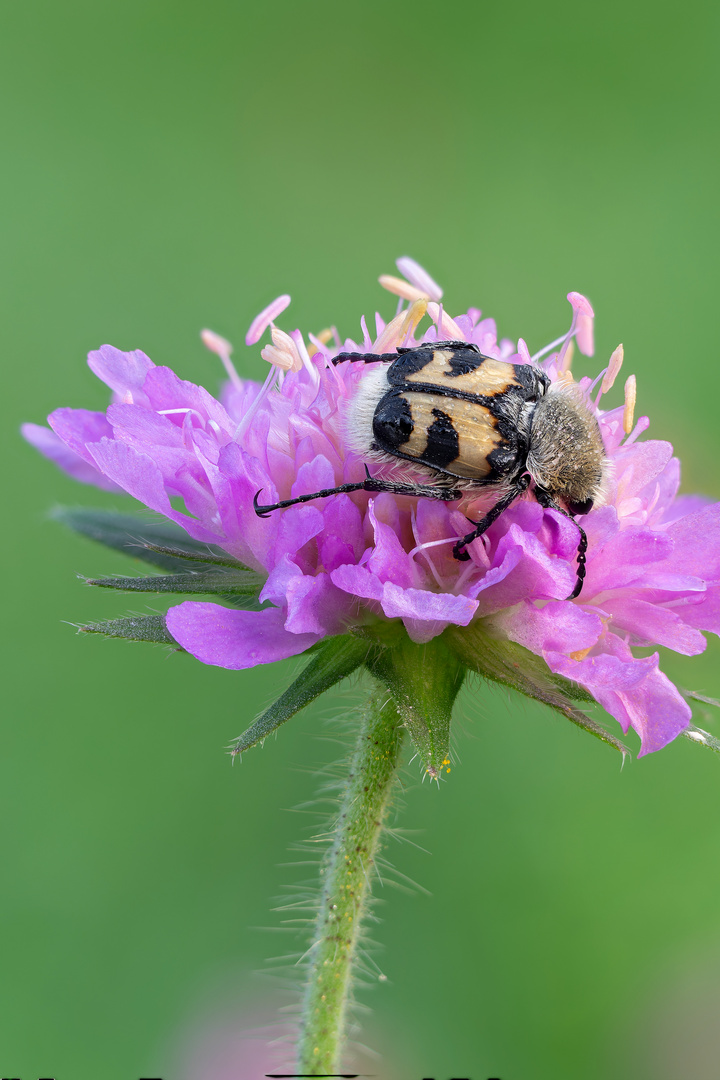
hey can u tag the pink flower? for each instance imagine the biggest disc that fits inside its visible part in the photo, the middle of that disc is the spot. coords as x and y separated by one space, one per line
351 562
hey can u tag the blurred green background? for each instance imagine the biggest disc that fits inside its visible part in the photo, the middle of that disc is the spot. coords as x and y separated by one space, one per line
169 166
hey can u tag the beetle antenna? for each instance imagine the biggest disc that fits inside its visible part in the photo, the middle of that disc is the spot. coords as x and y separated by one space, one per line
364 358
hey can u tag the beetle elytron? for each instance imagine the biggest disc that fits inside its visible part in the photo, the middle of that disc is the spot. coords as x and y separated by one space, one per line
466 422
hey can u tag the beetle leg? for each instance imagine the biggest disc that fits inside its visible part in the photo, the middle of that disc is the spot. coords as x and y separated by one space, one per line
425 491
549 503
492 515
264 511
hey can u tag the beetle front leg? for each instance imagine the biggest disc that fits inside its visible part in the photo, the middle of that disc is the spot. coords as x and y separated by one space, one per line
546 500
417 491
492 515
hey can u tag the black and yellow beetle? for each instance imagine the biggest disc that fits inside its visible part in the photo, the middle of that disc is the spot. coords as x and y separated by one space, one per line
467 421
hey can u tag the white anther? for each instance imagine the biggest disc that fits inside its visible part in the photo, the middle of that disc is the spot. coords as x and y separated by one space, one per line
401 288
630 396
613 370
283 353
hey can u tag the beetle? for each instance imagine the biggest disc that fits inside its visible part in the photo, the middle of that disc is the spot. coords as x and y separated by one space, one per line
467 421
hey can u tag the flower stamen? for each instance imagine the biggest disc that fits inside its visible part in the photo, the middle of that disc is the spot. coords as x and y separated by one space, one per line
611 373
305 358
419 277
630 398
265 389
223 349
170 412
431 544
283 352
392 335
401 288
447 328
564 368
266 317
324 337
581 328
642 425
548 348
414 314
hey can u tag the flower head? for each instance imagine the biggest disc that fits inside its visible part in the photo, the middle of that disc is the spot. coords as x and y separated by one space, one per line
375 565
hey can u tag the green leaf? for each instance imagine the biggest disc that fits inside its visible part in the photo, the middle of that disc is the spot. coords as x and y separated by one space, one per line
239 587
512 665
331 661
134 628
424 681
161 543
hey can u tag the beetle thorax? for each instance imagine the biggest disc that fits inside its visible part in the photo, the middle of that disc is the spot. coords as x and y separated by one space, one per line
566 457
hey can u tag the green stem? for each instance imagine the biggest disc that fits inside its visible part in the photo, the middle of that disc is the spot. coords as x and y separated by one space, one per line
346 885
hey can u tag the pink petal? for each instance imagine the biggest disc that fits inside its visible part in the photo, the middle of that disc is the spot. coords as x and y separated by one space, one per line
696 539
397 602
53 448
634 691
559 626
139 475
425 605
657 711
78 427
523 352
528 572
124 372
655 624
234 639
706 614
639 464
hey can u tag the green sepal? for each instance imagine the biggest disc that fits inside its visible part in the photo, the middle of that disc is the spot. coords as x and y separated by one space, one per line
239 587
133 628
698 734
512 665
704 738
424 681
331 661
160 543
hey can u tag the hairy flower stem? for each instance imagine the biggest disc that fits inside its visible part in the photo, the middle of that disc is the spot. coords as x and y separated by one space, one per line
347 873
